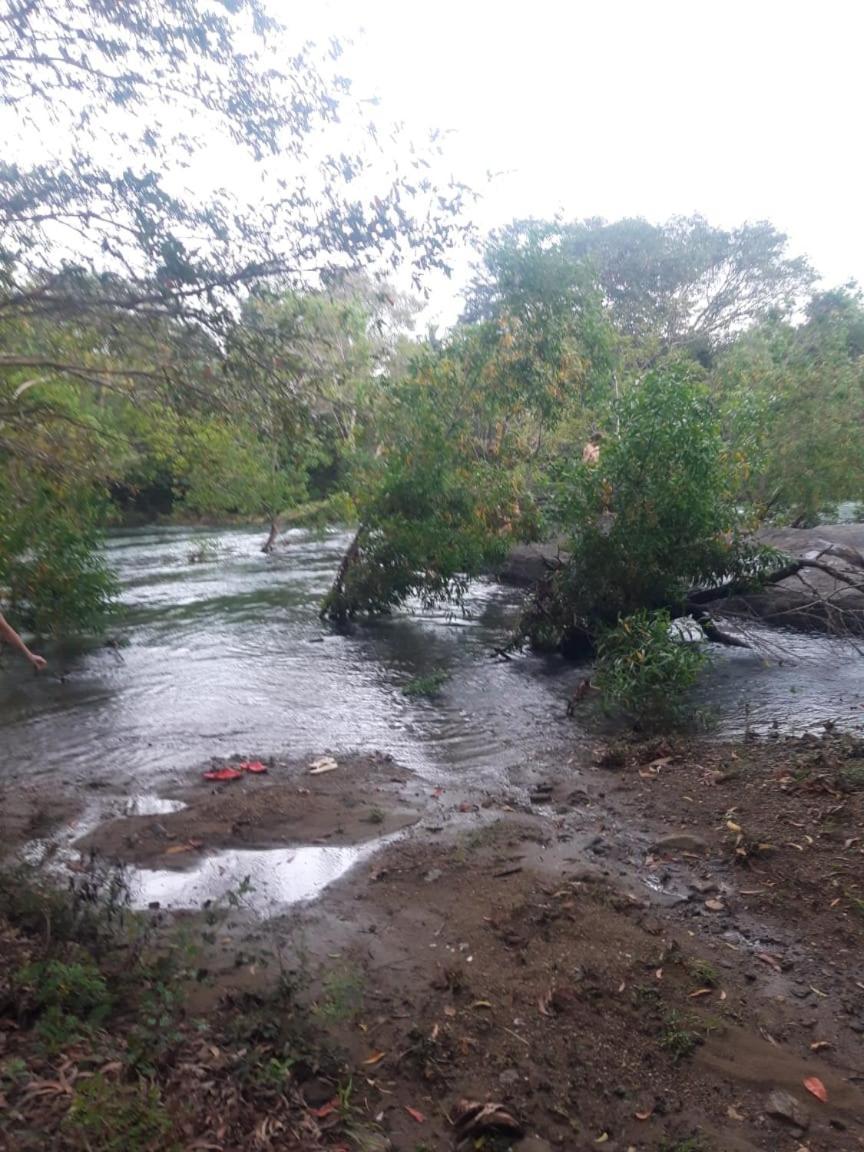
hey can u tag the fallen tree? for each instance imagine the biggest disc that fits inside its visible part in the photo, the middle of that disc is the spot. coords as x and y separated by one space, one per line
651 524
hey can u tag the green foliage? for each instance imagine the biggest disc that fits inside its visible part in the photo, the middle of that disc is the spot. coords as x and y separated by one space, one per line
154 1033
428 685
678 1037
66 998
644 669
685 284
341 996
112 1117
52 570
654 517
77 987
446 495
793 401
703 973
690 1144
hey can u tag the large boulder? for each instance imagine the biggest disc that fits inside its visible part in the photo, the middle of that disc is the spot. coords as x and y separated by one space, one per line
528 563
812 600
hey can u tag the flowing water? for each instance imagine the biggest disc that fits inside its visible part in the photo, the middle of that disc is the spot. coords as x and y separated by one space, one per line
227 654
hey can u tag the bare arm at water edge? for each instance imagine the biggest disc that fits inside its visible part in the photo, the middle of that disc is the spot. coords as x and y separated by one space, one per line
8 633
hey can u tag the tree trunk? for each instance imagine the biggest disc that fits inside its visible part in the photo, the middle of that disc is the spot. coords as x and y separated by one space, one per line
334 602
270 544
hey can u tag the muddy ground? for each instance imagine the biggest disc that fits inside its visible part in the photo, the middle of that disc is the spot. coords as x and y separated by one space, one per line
324 800
652 949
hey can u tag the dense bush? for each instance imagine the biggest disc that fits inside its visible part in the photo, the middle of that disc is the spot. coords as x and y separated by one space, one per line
653 517
53 572
645 668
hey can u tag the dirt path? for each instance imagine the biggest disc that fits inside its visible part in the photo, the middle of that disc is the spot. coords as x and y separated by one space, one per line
646 993
653 950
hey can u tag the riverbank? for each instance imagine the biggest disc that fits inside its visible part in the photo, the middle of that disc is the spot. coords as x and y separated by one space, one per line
650 947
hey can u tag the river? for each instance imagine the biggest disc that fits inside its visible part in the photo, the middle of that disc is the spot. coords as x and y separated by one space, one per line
228 655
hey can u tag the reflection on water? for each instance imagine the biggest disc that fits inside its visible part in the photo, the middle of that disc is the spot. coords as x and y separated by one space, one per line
268 879
791 681
151 806
229 655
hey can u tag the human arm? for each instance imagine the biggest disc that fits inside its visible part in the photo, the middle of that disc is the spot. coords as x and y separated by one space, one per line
8 633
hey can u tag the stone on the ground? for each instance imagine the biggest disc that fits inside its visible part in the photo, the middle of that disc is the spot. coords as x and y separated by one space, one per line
784 1106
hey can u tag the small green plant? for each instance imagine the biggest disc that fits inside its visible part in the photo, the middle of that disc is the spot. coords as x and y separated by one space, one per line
14 1071
691 1144
344 1095
853 774
342 996
646 996
155 1032
427 685
678 1037
703 973
66 998
376 816
645 670
115 1117
78 987
273 1072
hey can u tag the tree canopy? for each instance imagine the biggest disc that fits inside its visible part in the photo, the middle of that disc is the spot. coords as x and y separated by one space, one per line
173 342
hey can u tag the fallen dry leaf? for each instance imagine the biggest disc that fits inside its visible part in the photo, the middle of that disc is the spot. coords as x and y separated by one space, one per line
644 1115
714 905
733 1113
325 1110
770 960
816 1088
375 1058
700 992
820 1045
415 1114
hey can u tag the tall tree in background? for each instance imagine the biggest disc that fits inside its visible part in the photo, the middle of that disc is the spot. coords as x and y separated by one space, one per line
123 260
680 286
128 100
794 402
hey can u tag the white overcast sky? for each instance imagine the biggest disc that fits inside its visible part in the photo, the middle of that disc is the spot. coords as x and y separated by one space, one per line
739 111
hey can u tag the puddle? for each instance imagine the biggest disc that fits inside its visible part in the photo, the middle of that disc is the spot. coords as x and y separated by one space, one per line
274 877
147 805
